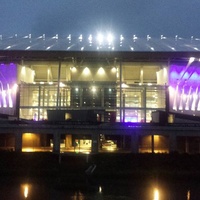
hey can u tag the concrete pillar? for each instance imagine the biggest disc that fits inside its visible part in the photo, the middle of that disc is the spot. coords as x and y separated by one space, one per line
95 142
18 142
134 142
56 142
172 143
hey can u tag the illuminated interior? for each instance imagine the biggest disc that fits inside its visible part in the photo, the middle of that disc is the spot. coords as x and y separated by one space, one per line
90 85
154 144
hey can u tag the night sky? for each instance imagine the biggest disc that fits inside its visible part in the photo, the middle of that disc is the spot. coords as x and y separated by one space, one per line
127 17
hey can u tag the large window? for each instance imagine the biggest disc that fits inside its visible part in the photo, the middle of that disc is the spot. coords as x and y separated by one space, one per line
129 97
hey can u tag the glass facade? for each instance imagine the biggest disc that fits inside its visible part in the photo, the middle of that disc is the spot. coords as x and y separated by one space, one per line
126 92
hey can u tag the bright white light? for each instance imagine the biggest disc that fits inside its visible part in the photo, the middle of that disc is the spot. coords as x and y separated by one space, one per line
62 84
100 189
8 47
94 89
80 38
148 37
152 49
26 191
73 69
101 71
124 85
14 89
100 38
27 48
121 38
114 70
10 102
90 39
135 38
49 47
86 71
23 70
55 37
4 98
156 194
164 71
162 37
110 38
69 38
191 60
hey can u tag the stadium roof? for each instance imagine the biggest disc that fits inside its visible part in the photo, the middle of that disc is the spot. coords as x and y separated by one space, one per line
100 43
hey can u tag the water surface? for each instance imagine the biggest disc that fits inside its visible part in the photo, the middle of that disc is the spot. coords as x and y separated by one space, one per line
123 189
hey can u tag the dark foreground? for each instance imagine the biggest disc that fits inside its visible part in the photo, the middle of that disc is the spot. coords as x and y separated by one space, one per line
116 176
107 165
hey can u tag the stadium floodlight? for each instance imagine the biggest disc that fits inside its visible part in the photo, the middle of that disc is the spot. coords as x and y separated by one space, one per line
90 39
55 37
134 38
69 37
162 37
148 37
110 38
100 38
27 48
80 38
121 38
152 49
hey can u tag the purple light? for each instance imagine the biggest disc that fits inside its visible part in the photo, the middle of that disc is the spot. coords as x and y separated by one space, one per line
184 81
8 79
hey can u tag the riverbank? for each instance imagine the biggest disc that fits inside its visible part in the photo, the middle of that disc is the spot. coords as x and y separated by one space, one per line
106 165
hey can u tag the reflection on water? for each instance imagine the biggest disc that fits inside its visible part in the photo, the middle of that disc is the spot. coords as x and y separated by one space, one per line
26 191
188 195
156 194
147 189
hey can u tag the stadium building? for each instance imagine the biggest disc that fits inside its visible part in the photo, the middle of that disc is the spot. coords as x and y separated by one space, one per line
100 93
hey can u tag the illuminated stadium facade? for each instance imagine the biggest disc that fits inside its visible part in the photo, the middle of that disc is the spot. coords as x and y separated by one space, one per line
101 79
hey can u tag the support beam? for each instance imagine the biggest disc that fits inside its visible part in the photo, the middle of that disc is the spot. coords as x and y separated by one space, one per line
134 142
172 143
95 142
18 141
56 142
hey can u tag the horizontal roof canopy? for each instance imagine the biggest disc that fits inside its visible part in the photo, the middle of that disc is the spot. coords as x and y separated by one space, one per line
92 43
